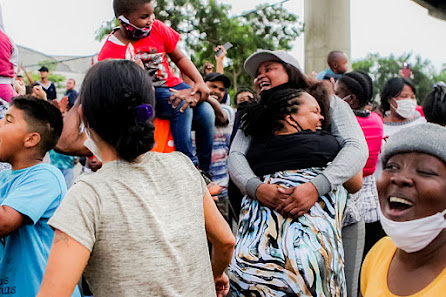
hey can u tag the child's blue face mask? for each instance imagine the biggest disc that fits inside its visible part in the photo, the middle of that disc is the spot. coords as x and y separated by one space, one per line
132 31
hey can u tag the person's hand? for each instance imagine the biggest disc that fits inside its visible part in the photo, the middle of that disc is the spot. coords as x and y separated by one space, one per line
271 195
222 53
39 92
20 87
179 96
202 89
63 104
222 285
300 200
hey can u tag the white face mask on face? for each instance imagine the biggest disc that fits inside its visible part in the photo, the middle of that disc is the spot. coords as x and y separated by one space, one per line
91 145
413 236
405 107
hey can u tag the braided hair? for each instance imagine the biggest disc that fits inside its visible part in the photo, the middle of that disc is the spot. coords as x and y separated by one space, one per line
360 84
263 119
434 107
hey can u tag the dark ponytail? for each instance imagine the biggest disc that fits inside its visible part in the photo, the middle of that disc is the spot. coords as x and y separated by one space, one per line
111 93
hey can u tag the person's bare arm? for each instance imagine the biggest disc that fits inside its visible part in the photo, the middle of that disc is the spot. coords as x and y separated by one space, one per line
30 79
71 142
10 220
66 263
219 59
223 242
188 68
354 184
221 117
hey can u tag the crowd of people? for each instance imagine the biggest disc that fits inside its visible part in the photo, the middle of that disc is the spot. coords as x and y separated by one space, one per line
296 186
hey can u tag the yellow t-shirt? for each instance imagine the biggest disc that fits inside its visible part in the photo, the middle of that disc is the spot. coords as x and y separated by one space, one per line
376 267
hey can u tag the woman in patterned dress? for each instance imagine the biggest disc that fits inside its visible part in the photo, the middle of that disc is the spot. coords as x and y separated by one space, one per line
285 256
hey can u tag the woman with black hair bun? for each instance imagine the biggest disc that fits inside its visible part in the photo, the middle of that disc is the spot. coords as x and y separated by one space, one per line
277 255
139 225
356 88
434 106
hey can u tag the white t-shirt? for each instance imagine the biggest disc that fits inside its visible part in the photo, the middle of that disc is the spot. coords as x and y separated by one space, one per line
144 225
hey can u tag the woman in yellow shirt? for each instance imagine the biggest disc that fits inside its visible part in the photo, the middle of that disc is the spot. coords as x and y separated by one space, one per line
412 262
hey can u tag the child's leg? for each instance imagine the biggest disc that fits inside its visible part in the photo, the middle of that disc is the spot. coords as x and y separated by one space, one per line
180 123
204 126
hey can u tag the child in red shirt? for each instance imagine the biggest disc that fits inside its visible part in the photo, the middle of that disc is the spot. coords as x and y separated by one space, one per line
148 41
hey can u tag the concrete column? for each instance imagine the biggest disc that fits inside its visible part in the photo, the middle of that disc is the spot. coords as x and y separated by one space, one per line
327 28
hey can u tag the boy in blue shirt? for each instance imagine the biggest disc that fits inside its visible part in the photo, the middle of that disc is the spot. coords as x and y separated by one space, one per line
30 192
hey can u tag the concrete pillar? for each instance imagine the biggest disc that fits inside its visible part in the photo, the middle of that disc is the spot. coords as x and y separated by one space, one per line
327 28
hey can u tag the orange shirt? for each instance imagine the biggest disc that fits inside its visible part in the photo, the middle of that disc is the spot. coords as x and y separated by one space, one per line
376 267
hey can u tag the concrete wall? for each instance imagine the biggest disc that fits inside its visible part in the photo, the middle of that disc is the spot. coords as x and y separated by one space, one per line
327 28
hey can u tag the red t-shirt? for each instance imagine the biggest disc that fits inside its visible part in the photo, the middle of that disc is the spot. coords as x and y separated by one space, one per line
152 50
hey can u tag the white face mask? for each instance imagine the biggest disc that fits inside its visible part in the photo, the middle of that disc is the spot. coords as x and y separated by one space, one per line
413 236
405 107
91 145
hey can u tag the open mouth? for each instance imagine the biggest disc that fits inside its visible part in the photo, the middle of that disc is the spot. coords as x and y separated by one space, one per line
264 84
398 207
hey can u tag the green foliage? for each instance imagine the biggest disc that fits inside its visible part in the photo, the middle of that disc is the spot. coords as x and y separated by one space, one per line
204 24
106 28
381 69
441 76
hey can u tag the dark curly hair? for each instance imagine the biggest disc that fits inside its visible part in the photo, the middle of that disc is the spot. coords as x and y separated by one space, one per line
434 107
263 119
110 93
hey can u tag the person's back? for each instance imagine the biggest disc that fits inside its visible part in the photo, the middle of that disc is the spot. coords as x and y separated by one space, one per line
138 226
372 127
151 211
8 63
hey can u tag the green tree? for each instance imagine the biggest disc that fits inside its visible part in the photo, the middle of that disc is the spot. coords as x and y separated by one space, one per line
381 69
206 24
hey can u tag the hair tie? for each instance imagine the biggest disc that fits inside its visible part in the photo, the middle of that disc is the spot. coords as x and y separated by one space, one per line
143 112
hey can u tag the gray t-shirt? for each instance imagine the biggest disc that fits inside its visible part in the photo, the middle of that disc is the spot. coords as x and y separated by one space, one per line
144 225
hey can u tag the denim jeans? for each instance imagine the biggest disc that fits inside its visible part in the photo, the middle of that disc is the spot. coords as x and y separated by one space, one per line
201 118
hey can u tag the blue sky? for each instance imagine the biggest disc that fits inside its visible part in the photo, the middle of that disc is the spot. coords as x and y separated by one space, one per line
64 27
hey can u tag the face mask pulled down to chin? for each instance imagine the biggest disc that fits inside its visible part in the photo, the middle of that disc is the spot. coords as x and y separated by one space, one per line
132 31
413 236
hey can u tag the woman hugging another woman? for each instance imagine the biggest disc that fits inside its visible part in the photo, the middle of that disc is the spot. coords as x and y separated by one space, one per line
279 255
